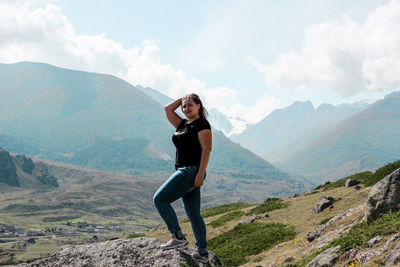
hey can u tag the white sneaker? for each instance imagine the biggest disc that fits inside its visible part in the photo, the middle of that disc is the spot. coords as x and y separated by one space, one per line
200 258
175 243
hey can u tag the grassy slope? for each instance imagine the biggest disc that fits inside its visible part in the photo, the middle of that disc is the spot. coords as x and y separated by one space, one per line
295 212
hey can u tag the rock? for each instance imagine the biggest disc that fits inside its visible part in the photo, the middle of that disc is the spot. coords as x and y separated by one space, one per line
266 215
315 234
31 240
351 254
141 251
26 164
322 204
374 241
351 182
8 170
383 197
356 187
393 257
326 258
251 219
289 259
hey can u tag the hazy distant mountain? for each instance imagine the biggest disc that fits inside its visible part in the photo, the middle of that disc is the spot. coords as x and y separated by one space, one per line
286 131
103 122
364 141
216 118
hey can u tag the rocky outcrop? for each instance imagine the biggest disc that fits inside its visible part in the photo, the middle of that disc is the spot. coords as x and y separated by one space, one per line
383 197
393 257
356 187
8 170
365 257
315 234
143 251
351 182
251 219
374 241
326 258
26 164
322 204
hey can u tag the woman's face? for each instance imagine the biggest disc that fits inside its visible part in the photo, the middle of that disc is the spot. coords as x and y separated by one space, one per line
190 108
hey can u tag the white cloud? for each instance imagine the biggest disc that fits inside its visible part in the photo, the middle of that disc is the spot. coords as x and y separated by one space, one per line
39 31
254 114
343 55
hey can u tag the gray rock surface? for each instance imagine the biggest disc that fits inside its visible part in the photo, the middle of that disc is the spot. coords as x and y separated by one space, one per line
251 219
393 257
351 182
143 252
8 170
315 234
322 204
26 164
383 197
325 259
374 241
356 187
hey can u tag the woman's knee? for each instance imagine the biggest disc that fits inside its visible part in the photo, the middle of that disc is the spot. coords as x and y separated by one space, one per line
157 199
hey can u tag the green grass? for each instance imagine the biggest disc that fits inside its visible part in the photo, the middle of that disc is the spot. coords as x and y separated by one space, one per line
136 236
358 236
269 204
226 218
366 178
361 233
233 246
381 173
325 220
225 208
307 259
361 176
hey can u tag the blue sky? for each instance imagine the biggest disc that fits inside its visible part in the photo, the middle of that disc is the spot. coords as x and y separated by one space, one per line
246 58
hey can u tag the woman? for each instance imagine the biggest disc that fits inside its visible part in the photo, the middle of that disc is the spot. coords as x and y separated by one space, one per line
193 141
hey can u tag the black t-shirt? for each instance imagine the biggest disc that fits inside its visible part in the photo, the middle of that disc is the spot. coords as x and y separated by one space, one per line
186 141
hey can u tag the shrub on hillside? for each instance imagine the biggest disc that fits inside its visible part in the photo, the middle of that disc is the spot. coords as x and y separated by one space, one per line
381 173
366 178
233 246
226 218
361 176
361 233
269 204
224 208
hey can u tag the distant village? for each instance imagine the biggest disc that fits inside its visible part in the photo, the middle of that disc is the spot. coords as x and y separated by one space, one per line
79 228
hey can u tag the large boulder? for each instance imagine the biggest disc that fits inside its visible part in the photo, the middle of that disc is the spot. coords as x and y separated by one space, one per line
322 204
383 197
8 170
326 259
26 164
251 219
351 182
393 257
143 251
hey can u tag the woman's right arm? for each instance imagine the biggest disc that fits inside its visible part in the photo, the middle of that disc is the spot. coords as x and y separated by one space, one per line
172 116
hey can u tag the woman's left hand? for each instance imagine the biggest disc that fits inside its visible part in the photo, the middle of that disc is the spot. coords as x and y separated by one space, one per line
199 180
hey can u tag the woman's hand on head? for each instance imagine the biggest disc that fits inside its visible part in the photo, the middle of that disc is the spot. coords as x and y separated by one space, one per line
199 180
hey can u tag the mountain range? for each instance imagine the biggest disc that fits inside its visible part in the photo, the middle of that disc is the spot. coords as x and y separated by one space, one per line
361 142
328 142
102 122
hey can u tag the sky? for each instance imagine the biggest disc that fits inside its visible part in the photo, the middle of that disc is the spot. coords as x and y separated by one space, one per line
244 58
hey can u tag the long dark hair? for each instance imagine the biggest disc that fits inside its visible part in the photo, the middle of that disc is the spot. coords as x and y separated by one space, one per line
196 99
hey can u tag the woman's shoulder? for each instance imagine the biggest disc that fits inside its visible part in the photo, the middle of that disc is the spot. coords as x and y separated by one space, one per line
203 124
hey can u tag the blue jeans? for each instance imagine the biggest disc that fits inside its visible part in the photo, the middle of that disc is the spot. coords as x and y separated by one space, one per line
181 185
